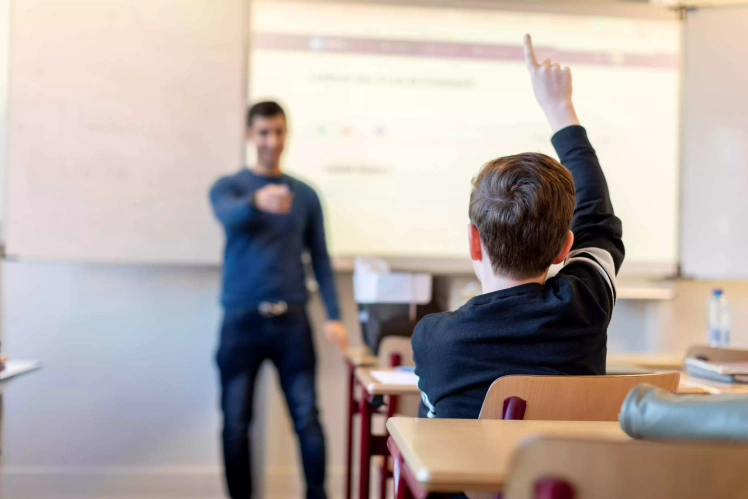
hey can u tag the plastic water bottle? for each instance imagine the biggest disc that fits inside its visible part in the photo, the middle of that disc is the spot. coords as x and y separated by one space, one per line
719 320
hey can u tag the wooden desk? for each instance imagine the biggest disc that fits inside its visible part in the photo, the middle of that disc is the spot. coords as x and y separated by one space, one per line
372 393
360 357
354 358
441 455
663 361
642 362
375 387
693 385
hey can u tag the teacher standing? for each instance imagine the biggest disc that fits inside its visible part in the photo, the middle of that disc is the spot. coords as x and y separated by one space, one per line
270 220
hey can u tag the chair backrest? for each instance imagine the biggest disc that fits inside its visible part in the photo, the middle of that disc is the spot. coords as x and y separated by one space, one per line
713 354
404 405
399 345
569 398
564 468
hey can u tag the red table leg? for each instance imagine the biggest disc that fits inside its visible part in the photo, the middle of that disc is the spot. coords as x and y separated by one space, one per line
392 403
406 485
366 438
352 410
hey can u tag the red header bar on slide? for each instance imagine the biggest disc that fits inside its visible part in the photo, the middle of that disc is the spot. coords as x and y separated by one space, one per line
454 50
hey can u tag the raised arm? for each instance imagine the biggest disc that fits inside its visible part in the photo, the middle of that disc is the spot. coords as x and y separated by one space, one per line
597 231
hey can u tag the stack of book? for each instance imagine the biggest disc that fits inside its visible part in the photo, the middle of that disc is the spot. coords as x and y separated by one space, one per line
727 372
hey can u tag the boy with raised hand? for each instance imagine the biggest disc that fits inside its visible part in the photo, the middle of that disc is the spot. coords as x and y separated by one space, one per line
526 215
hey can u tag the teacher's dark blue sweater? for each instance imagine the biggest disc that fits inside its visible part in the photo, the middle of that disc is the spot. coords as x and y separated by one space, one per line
263 253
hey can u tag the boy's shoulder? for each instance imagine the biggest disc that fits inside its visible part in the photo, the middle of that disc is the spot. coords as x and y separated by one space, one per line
436 325
434 321
564 299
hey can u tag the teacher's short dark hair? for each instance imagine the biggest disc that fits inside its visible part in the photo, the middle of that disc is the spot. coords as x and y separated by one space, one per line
264 109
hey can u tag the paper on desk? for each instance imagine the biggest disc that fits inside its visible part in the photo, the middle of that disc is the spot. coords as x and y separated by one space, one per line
399 378
702 385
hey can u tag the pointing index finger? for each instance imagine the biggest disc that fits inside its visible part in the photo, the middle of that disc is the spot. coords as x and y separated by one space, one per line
530 59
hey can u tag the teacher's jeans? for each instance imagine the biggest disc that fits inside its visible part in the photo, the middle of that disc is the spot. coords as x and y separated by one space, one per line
247 340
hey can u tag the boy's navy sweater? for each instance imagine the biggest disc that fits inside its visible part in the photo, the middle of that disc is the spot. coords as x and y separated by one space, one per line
263 252
559 328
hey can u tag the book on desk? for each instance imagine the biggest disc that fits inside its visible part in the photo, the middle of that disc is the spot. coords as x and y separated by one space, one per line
726 372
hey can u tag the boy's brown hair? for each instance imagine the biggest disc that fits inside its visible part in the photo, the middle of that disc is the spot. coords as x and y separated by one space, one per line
522 206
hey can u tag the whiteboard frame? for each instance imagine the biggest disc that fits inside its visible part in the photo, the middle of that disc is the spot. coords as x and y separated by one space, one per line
613 9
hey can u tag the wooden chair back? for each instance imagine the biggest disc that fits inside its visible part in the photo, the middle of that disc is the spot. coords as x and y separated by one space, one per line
563 468
397 345
567 398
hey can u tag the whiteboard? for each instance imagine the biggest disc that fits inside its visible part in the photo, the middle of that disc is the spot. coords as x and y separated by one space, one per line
394 108
715 145
122 113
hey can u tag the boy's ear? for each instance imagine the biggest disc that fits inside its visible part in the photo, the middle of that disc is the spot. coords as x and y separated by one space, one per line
476 251
561 258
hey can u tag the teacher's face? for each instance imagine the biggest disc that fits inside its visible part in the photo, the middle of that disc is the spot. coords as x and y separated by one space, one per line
269 135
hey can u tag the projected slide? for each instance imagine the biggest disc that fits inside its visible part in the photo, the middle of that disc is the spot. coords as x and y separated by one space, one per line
394 109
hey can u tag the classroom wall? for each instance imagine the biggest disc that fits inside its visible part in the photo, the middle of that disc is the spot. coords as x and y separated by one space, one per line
126 404
126 400
688 313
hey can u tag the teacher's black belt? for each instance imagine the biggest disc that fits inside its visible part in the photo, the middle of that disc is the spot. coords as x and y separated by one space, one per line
276 309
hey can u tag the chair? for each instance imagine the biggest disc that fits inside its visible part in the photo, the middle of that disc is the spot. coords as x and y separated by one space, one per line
398 345
564 468
566 398
713 354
